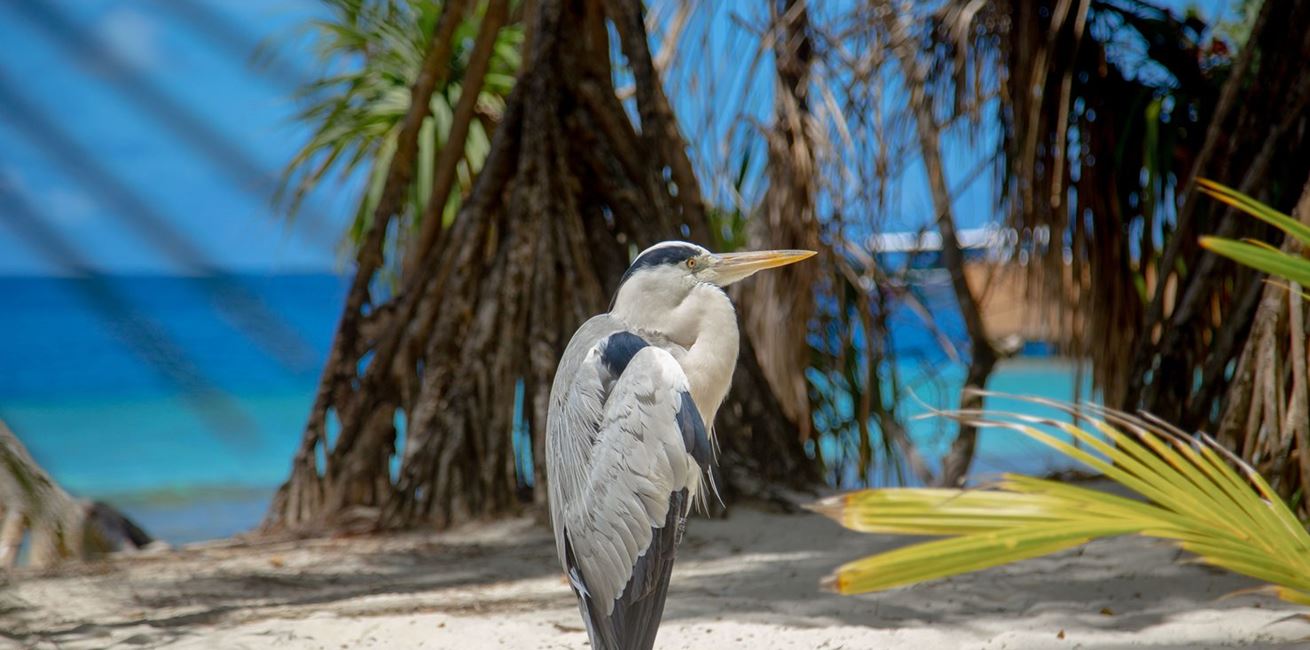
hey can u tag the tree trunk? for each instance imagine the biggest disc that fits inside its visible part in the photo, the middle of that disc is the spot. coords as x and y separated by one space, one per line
539 245
58 527
982 354
33 503
777 306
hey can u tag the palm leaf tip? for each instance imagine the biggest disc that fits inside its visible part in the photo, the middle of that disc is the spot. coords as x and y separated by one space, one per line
1293 595
1231 197
832 583
831 507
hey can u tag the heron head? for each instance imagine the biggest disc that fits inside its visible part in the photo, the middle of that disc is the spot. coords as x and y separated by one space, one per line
664 274
675 289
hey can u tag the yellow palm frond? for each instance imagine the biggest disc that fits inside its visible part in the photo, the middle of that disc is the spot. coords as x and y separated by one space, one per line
1194 494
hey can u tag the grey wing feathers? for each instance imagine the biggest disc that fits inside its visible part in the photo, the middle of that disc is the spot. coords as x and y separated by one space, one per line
635 619
637 461
625 446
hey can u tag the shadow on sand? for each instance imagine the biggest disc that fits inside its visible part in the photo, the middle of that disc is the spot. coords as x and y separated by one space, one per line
752 567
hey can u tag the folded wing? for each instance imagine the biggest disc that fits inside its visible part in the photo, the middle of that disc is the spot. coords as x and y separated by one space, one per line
627 450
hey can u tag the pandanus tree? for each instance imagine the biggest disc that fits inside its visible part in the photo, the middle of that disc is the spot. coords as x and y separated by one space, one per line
440 359
834 148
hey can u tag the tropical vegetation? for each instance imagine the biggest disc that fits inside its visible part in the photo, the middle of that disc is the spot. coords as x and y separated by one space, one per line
1184 488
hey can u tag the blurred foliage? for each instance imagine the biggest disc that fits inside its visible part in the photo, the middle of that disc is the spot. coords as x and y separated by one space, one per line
728 222
1105 107
1096 163
370 52
1193 498
1238 30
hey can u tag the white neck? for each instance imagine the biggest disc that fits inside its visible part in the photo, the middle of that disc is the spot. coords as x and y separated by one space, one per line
713 356
704 324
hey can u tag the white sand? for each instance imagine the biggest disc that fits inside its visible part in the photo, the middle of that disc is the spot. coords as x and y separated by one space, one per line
745 582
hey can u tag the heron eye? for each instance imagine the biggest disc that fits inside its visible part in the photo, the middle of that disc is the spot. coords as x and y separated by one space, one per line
691 263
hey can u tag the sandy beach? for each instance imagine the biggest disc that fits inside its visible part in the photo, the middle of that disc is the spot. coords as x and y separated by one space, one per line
747 581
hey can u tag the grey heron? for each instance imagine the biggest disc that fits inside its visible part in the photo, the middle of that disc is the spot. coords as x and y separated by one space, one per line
629 434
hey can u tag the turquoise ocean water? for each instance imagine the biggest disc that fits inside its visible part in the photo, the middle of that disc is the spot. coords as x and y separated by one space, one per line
109 425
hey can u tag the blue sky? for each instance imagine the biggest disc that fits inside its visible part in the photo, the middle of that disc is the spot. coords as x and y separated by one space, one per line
226 211
234 228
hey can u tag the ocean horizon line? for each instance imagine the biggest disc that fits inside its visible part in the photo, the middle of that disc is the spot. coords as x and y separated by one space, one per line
167 495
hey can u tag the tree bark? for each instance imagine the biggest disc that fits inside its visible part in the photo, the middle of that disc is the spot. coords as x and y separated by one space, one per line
58 527
311 490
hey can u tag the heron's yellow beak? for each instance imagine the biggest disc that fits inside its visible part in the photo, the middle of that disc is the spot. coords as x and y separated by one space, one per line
731 267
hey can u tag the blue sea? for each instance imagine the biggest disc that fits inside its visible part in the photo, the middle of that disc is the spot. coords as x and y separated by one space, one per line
103 407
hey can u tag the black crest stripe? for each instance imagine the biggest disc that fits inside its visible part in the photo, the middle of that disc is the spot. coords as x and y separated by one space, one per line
675 254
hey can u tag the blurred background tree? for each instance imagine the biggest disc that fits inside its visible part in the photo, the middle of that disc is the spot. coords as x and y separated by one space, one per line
1112 225
1108 110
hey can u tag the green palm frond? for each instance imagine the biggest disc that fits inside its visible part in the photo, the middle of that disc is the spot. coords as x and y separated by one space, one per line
1194 493
1258 255
371 52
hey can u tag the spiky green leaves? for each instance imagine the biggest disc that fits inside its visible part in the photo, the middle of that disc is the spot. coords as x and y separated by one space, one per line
1259 255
